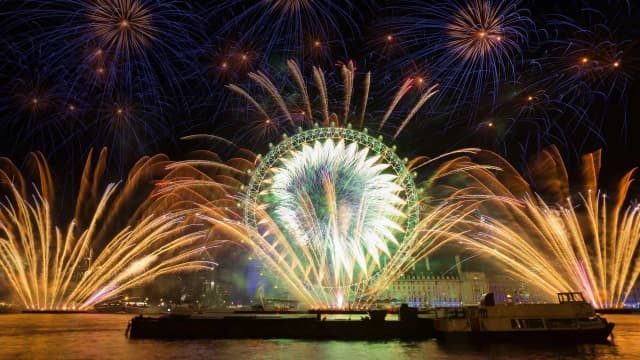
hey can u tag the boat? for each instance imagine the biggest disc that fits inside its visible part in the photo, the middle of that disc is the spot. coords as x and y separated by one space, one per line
332 325
123 304
572 320
6 308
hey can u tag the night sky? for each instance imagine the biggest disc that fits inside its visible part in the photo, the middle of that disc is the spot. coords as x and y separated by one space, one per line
138 75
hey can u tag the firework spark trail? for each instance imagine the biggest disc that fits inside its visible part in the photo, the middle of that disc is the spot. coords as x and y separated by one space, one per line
302 86
580 244
321 83
348 75
49 267
365 99
263 80
423 99
402 91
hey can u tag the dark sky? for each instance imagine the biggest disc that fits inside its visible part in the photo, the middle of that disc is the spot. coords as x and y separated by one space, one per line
177 87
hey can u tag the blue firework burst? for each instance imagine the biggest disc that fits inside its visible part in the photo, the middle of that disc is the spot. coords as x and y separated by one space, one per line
468 46
134 45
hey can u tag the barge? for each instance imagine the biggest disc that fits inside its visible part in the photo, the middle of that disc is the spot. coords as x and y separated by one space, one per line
370 326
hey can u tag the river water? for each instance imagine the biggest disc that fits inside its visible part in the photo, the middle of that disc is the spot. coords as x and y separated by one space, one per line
101 336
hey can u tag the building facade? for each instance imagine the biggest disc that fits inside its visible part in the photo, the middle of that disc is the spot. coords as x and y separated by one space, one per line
424 290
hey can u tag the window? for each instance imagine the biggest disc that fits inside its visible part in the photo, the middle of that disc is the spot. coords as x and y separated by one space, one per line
561 323
527 324
570 297
533 323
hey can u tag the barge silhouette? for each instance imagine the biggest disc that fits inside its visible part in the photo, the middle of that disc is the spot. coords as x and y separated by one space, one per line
371 326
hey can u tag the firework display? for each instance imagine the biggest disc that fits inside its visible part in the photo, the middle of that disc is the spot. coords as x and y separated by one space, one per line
342 100
74 267
332 211
587 242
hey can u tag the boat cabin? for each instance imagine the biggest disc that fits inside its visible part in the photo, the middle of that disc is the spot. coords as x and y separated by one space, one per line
571 312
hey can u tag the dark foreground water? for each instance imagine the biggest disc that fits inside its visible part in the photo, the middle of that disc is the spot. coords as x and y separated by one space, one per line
101 336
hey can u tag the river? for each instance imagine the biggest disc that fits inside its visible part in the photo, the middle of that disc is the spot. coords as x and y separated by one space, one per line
101 336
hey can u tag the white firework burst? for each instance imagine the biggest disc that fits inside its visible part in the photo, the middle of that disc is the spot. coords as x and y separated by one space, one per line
339 202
